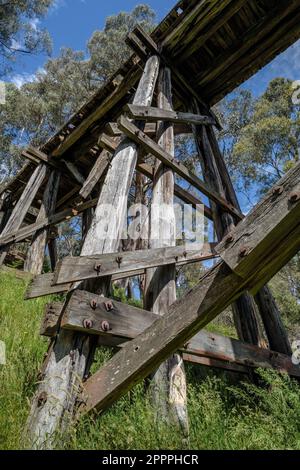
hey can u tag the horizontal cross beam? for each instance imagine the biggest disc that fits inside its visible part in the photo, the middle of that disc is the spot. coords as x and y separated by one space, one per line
126 322
80 268
150 114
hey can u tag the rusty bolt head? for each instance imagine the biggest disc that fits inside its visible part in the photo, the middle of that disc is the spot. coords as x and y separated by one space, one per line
244 251
119 259
108 306
295 196
93 304
229 238
105 326
87 323
98 268
42 399
277 191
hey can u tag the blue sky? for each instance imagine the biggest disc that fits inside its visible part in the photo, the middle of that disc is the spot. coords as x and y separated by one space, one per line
72 22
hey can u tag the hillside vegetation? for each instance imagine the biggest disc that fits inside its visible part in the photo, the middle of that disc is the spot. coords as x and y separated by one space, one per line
222 415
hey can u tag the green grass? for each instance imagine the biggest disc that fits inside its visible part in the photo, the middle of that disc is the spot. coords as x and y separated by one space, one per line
222 415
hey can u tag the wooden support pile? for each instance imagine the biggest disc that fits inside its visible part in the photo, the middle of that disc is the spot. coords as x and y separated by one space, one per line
128 128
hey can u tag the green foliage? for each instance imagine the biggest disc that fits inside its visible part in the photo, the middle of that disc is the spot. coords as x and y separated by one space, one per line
222 415
261 137
19 31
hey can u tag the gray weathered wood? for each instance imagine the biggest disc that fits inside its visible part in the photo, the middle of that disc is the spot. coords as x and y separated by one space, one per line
142 139
241 253
244 312
151 114
127 322
96 173
73 269
75 172
73 353
36 252
27 231
169 380
21 208
217 289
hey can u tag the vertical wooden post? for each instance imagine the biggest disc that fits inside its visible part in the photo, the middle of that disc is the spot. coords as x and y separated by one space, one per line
72 354
269 312
244 308
35 256
53 255
169 381
21 208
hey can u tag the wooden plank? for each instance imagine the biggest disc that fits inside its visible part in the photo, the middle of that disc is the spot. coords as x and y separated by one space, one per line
50 322
127 322
140 138
74 269
21 208
121 89
29 230
96 174
150 129
36 252
217 289
74 171
42 285
151 114
241 254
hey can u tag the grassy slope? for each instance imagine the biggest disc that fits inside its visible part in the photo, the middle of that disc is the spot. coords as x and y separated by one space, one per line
222 416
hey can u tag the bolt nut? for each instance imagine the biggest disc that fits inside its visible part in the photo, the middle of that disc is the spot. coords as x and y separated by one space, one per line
105 326
277 190
93 304
108 306
98 268
87 323
229 239
244 251
295 196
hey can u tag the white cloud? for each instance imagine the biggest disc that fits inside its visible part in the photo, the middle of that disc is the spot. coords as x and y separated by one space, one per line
21 78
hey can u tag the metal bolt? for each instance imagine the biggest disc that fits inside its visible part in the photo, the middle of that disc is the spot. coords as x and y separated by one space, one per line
109 306
229 239
93 304
42 399
294 197
105 326
119 260
277 191
87 323
98 268
244 251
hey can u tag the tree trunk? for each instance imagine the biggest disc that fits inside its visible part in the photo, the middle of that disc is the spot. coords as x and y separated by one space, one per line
72 354
35 256
169 381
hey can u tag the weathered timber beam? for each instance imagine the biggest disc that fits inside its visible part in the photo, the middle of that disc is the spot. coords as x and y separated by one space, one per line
217 289
127 322
242 248
150 129
96 173
151 114
140 138
75 172
27 231
120 91
80 268
141 43
206 29
182 194
42 285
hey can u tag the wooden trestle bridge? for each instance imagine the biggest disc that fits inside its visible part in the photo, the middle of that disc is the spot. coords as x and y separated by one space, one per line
199 53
